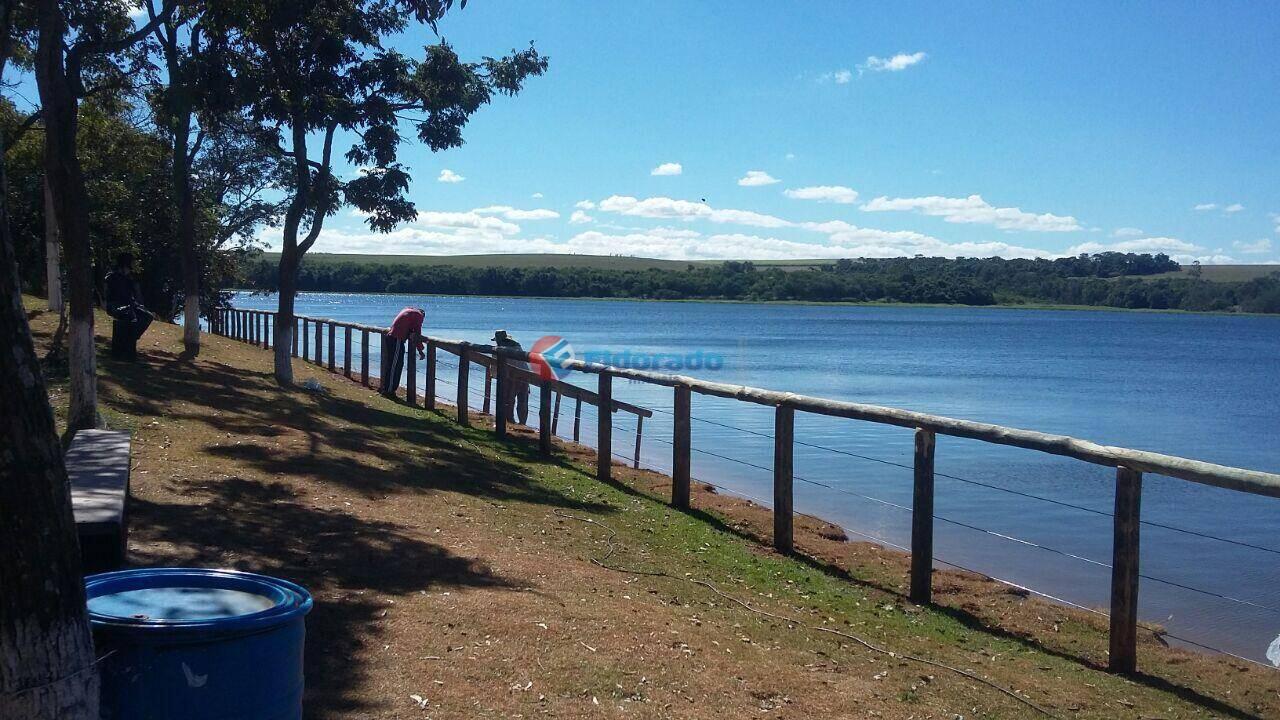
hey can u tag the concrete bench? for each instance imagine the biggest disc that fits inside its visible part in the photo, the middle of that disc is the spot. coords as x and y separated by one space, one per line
98 468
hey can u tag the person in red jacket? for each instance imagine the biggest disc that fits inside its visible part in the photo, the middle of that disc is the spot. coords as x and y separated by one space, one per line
407 326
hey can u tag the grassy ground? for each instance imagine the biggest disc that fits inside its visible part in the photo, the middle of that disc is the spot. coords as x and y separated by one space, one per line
453 573
1225 273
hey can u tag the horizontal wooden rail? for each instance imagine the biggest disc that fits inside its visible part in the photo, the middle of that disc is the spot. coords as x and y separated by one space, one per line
1198 471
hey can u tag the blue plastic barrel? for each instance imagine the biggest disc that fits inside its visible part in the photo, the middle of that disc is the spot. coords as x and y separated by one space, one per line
191 644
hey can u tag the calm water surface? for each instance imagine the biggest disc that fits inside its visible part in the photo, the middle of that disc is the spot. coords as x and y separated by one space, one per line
1205 387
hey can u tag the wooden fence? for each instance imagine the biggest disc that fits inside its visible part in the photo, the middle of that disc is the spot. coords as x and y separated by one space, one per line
1130 465
257 327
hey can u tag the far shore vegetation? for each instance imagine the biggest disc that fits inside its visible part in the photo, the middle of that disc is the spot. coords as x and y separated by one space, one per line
1107 280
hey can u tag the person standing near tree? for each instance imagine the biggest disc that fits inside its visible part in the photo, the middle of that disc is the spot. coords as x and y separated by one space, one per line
123 300
407 326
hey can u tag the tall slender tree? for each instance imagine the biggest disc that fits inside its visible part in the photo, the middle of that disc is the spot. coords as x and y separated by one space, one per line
179 37
310 70
79 40
47 667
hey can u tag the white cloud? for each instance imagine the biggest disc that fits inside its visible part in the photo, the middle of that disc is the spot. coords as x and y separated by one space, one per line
585 205
511 213
1276 218
536 196
449 176
139 12
579 218
1233 208
842 77
756 178
669 168
790 156
974 209
671 209
1166 245
824 193
898 62
1127 232
1257 247
471 220
843 239
1206 206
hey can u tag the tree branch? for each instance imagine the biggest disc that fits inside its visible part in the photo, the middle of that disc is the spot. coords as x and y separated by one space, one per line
322 208
114 46
21 130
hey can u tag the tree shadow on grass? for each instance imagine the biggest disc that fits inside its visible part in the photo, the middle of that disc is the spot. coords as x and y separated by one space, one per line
345 561
362 446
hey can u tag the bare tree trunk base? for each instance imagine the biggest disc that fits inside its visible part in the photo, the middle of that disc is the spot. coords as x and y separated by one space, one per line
283 360
191 326
83 411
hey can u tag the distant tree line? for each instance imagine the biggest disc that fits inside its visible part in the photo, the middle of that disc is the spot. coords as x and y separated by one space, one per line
1120 280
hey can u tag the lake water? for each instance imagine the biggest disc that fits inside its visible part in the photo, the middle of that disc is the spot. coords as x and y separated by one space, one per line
1199 386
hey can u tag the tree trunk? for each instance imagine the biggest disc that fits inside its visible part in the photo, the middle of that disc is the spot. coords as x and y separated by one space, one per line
284 313
181 106
187 243
71 209
47 669
52 253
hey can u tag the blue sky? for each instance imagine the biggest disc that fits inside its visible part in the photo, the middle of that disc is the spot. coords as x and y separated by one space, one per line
841 130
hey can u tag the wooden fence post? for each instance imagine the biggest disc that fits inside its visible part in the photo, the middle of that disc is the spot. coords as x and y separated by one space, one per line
635 458
577 419
555 419
333 351
295 336
411 373
364 357
783 445
680 447
268 330
503 379
318 357
488 379
922 520
253 327
431 376
604 428
463 371
346 351
1124 572
306 338
544 417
